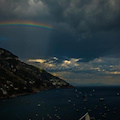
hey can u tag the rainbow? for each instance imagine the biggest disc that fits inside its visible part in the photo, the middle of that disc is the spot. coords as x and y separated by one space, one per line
26 24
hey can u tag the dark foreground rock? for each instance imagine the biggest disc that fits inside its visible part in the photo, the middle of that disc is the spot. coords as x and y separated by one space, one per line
18 78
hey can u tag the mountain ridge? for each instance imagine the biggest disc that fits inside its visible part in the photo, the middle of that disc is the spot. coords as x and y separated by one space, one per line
18 78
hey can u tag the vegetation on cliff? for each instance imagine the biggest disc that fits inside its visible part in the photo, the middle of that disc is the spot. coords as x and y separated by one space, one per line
18 78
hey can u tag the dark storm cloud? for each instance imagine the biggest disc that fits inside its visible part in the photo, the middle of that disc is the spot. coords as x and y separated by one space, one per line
7 8
83 28
87 29
86 15
23 10
81 15
98 45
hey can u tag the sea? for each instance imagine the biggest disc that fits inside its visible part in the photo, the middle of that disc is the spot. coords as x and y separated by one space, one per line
101 103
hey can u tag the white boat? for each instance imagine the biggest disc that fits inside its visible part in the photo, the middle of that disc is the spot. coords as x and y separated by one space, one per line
87 117
101 99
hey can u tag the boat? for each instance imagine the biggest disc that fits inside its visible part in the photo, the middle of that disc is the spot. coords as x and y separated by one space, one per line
85 98
118 94
87 117
101 99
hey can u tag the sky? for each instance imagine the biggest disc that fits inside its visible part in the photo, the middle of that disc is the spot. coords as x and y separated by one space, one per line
82 45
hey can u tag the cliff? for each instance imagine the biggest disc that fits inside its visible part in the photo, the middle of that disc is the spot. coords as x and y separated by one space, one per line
19 78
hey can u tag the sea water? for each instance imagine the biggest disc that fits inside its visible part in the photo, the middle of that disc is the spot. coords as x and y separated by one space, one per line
64 104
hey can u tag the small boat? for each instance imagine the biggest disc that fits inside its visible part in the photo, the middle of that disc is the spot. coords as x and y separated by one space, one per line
76 90
85 98
77 110
101 99
69 101
87 117
93 90
38 105
118 94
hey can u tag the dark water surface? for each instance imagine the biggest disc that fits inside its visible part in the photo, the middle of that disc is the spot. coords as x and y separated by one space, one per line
64 104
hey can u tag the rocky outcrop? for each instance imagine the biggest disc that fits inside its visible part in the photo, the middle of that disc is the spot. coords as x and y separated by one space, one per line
18 78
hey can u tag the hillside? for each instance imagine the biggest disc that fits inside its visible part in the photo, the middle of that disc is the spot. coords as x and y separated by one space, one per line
18 78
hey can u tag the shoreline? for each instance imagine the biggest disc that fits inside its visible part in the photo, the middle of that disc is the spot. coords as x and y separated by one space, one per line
25 94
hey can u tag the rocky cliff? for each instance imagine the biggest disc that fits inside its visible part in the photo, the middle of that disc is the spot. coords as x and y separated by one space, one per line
19 78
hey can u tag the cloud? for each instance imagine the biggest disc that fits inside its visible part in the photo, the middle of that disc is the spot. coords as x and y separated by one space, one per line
81 16
105 71
55 58
21 9
101 70
94 23
85 29
55 64
33 9
45 64
70 63
37 60
99 66
86 16
114 73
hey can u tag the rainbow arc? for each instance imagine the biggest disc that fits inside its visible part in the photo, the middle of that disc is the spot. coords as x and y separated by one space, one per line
26 24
